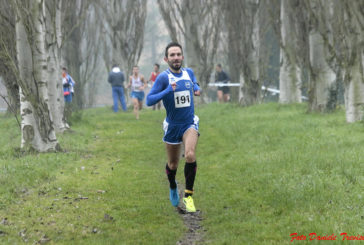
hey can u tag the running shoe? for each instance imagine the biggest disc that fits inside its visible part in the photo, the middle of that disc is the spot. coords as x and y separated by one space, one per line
190 206
173 196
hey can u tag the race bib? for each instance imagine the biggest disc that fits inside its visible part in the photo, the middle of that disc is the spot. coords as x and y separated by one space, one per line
182 99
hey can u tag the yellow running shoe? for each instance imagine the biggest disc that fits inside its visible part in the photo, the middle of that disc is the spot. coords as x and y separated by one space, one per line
190 207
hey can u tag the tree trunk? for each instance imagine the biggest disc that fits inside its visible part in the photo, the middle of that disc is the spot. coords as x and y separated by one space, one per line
191 36
8 60
354 91
196 21
53 50
290 72
323 78
251 89
12 90
37 128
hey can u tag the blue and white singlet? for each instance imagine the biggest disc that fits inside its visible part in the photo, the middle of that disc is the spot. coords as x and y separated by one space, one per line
179 103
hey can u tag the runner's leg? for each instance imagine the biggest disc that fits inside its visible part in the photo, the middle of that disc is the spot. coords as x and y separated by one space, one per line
173 152
220 95
226 97
136 109
190 139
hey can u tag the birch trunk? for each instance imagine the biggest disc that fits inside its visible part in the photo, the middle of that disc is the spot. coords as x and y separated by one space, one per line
290 72
354 91
323 78
250 87
37 128
322 83
53 50
196 23
354 72
192 36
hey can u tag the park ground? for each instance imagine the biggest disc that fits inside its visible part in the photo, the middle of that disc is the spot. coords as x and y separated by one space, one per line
264 172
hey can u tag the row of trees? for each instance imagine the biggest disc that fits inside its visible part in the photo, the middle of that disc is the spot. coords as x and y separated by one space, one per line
39 37
320 41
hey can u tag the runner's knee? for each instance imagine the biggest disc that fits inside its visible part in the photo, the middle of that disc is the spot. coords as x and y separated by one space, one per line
190 155
173 163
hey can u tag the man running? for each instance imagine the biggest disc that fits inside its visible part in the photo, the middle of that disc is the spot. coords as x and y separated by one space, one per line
137 84
176 87
153 76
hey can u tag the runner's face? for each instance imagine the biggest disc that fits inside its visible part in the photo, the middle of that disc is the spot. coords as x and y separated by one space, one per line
135 70
174 58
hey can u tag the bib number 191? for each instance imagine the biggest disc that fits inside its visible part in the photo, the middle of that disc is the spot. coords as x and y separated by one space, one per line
182 99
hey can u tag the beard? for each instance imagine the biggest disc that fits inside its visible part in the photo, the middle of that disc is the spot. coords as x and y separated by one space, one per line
175 66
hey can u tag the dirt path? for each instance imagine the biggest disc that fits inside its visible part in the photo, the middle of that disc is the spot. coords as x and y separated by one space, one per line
195 233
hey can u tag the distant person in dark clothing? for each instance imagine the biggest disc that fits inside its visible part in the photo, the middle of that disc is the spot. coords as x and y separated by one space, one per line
223 92
116 79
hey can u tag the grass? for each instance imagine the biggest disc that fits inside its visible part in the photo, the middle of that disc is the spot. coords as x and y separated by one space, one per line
264 172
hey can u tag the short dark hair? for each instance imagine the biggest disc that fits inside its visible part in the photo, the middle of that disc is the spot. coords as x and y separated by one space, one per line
157 65
114 65
219 65
64 68
172 44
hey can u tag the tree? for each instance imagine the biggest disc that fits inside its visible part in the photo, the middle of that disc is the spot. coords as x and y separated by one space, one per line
245 23
322 74
197 24
8 60
342 34
75 29
37 128
53 44
123 26
349 46
293 56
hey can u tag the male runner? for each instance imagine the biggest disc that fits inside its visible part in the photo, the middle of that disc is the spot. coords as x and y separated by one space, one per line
137 84
153 76
176 87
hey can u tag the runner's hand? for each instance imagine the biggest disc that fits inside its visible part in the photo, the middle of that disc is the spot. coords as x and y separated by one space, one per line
174 85
197 93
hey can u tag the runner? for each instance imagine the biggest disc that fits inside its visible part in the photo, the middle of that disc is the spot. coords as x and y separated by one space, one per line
137 84
153 76
176 87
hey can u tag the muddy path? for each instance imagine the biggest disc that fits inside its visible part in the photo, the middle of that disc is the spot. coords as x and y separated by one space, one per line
195 232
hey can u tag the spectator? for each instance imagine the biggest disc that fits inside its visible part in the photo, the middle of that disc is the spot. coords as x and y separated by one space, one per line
116 79
68 92
223 92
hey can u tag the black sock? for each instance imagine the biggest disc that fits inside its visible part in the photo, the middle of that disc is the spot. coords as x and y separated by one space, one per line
171 174
190 174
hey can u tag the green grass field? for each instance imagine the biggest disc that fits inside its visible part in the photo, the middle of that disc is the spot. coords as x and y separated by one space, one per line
264 172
